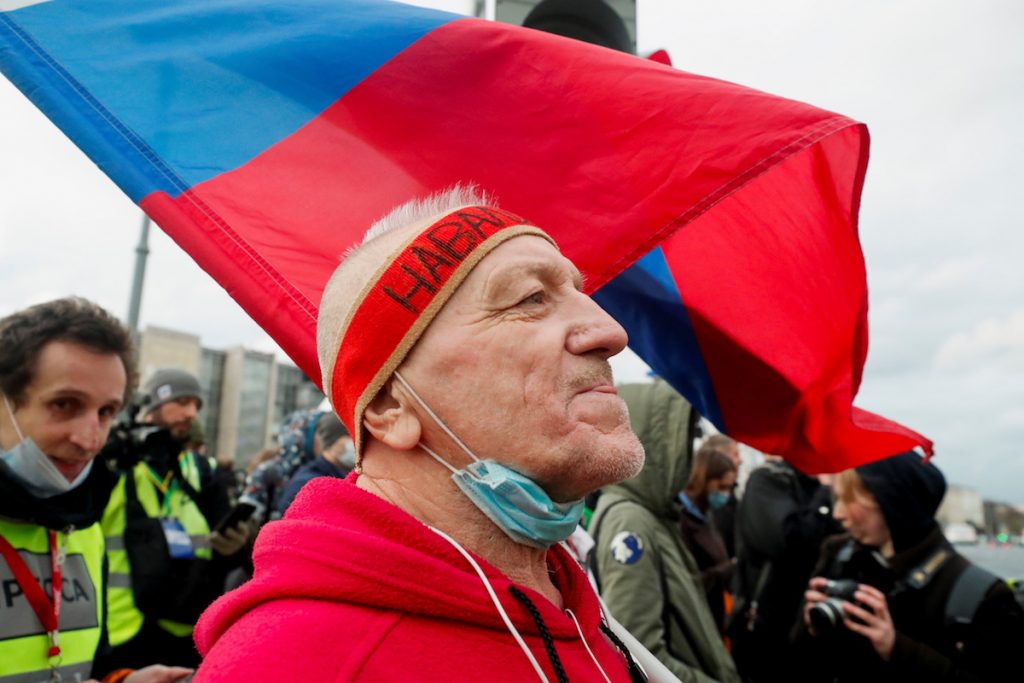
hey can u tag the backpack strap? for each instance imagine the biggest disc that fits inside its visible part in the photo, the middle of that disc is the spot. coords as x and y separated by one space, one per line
133 507
592 558
969 590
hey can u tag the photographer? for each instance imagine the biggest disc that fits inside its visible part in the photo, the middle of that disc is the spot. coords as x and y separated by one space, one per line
65 370
910 607
166 566
781 521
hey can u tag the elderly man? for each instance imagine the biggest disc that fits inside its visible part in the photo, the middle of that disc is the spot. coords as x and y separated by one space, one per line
472 372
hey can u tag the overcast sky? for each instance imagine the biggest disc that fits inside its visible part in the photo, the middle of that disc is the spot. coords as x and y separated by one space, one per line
939 85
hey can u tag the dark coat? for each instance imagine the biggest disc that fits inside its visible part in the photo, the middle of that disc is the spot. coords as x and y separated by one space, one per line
782 519
321 467
707 546
926 648
724 519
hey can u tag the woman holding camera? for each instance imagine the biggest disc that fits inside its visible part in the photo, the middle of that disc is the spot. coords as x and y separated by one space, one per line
891 599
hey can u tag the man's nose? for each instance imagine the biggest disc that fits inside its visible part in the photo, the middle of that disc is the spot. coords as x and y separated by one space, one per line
88 434
595 331
191 410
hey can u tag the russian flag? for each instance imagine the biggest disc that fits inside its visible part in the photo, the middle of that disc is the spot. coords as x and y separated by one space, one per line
716 222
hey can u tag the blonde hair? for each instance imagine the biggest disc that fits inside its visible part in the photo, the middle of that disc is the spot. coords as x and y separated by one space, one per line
848 484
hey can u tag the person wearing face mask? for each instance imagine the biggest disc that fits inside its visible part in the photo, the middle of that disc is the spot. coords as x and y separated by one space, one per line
66 369
472 373
337 458
709 488
911 608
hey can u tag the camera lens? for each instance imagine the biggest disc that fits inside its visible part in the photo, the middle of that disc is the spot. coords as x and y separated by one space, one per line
827 616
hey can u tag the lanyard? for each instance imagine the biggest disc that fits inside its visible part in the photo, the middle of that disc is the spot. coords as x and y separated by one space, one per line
47 610
162 485
166 487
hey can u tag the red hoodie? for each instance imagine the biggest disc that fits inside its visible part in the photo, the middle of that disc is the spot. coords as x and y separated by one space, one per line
349 587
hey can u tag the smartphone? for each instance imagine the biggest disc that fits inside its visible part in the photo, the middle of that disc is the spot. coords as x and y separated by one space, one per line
239 513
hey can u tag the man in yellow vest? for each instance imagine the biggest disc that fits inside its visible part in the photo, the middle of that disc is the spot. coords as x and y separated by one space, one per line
65 371
166 566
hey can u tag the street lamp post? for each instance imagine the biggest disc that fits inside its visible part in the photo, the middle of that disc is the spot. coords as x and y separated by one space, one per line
135 302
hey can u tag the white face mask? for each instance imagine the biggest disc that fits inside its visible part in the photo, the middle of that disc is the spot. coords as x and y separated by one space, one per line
33 469
348 457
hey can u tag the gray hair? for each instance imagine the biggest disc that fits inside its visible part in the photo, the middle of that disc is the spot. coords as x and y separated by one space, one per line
360 262
418 211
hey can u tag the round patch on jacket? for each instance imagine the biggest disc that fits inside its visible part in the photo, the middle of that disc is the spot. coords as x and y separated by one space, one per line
627 547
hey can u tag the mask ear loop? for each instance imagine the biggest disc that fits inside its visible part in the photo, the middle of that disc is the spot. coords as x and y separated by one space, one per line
14 422
442 425
438 458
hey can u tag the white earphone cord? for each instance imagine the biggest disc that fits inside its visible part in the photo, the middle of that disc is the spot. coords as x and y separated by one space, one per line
497 603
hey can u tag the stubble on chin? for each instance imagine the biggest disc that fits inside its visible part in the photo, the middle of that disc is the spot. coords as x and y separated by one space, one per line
610 459
627 457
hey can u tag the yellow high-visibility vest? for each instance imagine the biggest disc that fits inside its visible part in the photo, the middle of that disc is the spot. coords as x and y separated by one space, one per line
125 619
24 644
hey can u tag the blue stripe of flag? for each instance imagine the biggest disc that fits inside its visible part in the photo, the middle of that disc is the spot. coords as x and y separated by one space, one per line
164 70
646 301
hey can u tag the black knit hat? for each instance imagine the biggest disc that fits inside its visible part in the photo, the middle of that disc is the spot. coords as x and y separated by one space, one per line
591 21
169 384
909 491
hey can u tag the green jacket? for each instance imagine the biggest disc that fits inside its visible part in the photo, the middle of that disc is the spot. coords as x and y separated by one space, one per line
647 577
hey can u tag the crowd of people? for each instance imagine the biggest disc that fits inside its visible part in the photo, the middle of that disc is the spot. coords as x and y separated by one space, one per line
481 500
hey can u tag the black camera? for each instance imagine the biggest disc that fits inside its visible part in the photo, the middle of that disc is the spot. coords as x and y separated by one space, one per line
827 616
132 441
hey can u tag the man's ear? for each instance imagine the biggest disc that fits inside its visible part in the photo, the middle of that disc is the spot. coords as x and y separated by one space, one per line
390 419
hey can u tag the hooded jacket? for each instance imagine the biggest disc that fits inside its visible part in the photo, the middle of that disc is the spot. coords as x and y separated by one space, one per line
648 579
917 581
349 587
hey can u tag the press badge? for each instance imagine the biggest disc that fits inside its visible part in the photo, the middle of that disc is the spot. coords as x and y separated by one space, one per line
178 542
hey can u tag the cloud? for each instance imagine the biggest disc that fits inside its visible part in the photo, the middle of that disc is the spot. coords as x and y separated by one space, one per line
938 85
951 274
991 341
629 368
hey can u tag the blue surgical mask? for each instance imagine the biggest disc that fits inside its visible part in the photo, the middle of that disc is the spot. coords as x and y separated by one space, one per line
513 501
717 499
33 469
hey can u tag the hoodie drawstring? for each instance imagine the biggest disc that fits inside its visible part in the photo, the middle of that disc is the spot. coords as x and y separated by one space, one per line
636 675
545 635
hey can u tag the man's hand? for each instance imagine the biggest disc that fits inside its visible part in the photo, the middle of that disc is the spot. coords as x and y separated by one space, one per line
158 673
233 539
877 624
812 596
